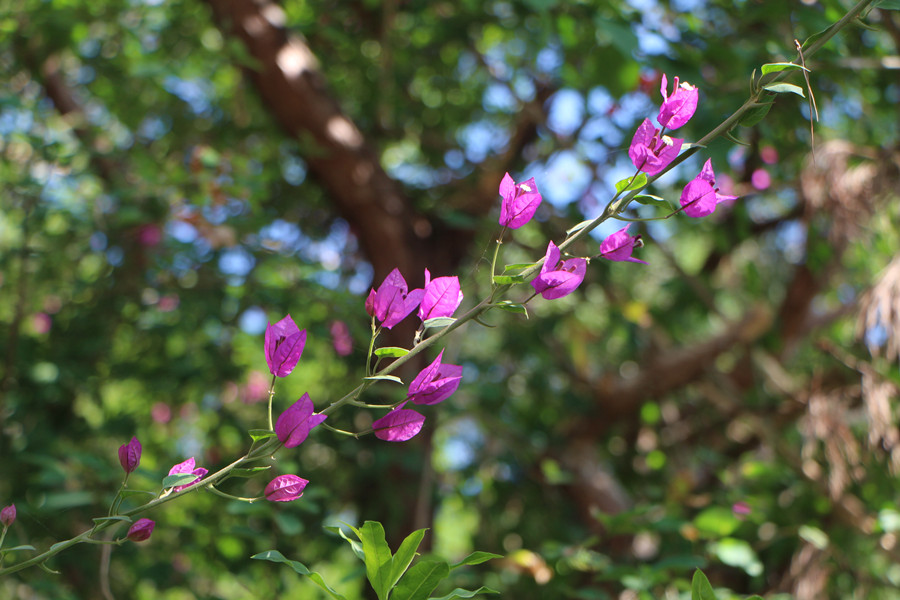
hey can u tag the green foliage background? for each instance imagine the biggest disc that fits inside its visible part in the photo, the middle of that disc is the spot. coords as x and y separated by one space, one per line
137 240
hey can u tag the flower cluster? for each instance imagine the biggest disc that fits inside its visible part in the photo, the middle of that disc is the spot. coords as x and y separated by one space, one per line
390 304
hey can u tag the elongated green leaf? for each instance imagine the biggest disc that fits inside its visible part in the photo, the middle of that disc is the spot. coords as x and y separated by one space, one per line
512 307
248 472
700 587
405 554
889 4
476 558
520 266
261 434
391 351
439 322
461 593
755 115
785 88
651 200
508 279
115 518
393 378
378 557
277 557
130 493
815 37
421 580
355 545
579 226
15 548
631 183
776 67
178 479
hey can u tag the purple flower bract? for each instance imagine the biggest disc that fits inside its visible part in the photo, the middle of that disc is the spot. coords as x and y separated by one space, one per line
294 424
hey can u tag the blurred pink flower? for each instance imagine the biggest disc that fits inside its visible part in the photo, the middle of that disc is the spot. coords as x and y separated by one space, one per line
168 303
340 338
769 155
149 235
760 179
160 412
41 322
256 389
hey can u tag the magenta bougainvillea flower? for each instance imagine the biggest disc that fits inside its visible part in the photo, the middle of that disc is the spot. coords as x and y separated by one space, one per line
520 201
130 455
677 109
294 424
651 152
441 298
8 515
188 466
435 383
399 425
620 245
700 196
340 338
285 488
284 345
558 278
141 530
391 303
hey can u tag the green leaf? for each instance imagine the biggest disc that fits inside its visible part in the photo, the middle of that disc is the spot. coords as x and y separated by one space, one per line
405 554
815 37
248 472
99 520
814 536
261 434
15 548
439 321
651 200
631 183
520 266
889 4
755 115
700 587
393 378
355 545
378 557
421 580
776 67
461 593
130 493
178 479
716 521
754 597
738 553
785 88
579 227
276 557
508 279
512 307
391 351
476 558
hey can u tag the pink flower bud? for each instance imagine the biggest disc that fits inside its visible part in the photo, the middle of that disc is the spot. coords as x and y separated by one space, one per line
130 455
8 515
285 488
284 345
141 530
